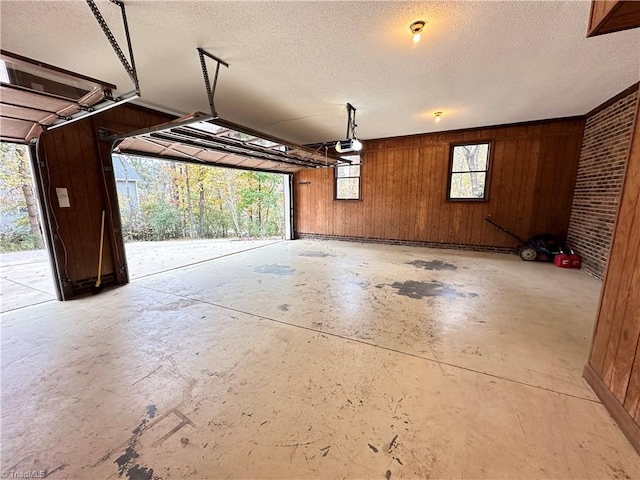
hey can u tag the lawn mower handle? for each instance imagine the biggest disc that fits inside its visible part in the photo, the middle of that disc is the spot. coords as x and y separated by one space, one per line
486 218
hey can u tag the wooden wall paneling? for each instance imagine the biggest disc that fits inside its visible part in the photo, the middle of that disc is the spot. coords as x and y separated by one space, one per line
413 158
410 194
547 171
60 177
385 176
310 189
614 367
426 197
423 224
508 188
324 204
67 217
626 422
395 201
519 212
317 189
454 217
371 192
405 228
305 188
300 214
333 208
496 237
625 329
609 16
441 175
630 331
554 199
392 209
78 156
421 199
599 10
405 181
398 196
632 397
605 316
317 193
351 220
87 188
516 188
608 330
365 204
379 179
541 192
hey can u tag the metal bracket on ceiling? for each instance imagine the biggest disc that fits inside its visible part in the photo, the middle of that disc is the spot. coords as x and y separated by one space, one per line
351 121
129 67
205 73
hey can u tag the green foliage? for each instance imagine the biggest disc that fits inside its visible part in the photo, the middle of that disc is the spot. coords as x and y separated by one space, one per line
179 200
20 223
162 219
16 240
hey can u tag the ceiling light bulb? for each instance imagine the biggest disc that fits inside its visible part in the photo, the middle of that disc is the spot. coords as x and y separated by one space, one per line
416 27
438 116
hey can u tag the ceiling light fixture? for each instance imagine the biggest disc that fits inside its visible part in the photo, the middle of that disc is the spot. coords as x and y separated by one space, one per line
351 144
416 28
438 116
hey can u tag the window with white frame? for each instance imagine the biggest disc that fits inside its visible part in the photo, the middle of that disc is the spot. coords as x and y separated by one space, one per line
348 179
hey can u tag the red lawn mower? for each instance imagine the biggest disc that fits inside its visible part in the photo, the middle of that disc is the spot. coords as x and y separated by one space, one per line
543 248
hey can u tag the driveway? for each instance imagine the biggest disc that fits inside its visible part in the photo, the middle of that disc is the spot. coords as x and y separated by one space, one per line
25 277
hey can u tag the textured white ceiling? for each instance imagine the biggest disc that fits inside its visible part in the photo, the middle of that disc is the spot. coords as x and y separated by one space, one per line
294 65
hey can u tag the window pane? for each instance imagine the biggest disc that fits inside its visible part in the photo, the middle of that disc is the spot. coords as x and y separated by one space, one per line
468 185
347 188
470 157
349 171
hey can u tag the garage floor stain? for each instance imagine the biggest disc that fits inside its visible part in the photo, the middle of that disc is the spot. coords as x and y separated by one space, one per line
432 265
420 290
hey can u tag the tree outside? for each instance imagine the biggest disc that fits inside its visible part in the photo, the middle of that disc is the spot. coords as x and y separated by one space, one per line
469 171
175 200
171 200
20 227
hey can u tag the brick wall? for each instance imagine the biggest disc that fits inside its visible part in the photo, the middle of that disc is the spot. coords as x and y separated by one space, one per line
603 157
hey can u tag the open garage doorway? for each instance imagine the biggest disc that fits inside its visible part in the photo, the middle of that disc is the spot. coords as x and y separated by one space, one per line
176 214
25 269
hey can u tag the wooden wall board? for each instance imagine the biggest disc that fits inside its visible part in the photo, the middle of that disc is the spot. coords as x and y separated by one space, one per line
405 183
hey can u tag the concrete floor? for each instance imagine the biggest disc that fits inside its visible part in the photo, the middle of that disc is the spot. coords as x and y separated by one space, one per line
314 360
25 277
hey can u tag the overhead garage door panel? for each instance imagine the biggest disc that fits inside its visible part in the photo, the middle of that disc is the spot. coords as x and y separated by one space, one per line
200 138
35 96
